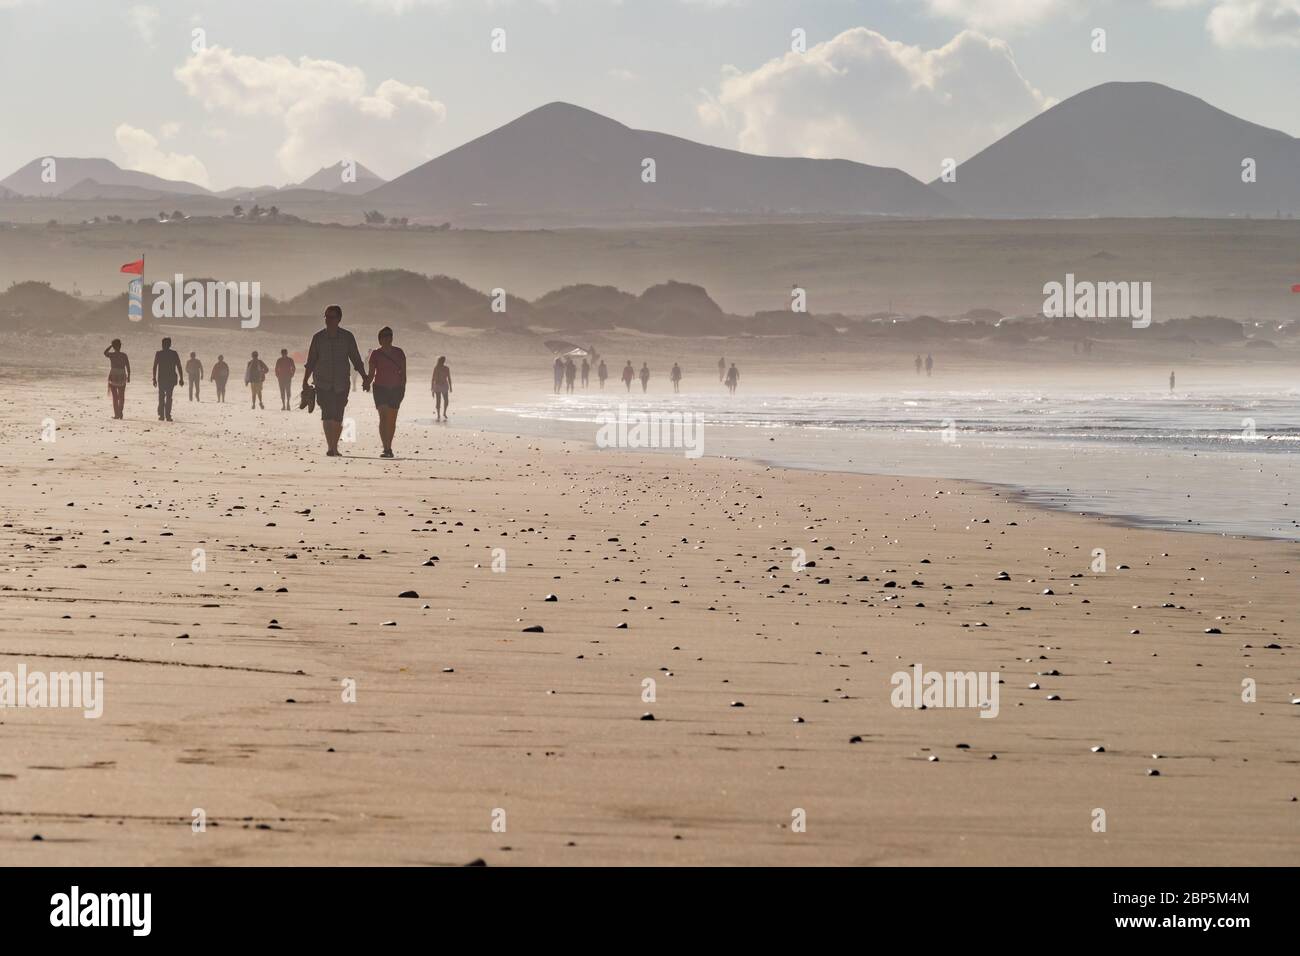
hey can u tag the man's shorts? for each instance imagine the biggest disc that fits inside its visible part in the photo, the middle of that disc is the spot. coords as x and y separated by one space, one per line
388 396
331 404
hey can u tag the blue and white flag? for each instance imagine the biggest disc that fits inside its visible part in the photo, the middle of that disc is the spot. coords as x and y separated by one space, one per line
135 300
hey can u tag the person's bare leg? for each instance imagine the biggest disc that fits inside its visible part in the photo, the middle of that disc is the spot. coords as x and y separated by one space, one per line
332 432
387 427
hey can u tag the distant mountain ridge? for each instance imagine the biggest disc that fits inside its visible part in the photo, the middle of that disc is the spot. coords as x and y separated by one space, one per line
1130 150
69 171
565 159
335 179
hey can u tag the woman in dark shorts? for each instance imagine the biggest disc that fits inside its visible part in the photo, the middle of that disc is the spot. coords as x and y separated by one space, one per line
388 384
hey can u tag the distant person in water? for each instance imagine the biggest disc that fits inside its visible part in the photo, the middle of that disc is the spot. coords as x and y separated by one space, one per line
675 376
388 378
629 374
917 363
559 373
441 388
645 376
602 373
254 376
586 371
167 375
570 373
1171 381
194 369
119 373
733 378
220 374
929 364
722 369
284 372
332 351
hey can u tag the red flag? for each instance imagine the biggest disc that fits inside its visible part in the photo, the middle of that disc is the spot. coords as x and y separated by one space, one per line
1295 288
136 267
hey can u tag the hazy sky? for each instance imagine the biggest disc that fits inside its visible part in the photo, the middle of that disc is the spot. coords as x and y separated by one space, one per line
278 88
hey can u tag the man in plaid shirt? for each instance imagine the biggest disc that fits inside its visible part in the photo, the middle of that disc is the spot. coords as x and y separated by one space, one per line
332 350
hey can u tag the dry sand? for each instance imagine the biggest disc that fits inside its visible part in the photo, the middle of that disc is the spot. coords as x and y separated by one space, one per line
460 713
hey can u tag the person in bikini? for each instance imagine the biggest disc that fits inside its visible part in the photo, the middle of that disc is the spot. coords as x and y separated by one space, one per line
119 373
441 388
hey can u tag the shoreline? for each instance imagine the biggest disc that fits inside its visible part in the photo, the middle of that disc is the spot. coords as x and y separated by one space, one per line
499 421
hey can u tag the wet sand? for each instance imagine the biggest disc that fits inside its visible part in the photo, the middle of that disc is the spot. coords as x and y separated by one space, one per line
224 692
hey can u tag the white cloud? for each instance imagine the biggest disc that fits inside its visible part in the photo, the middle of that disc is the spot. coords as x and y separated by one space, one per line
998 14
145 20
863 96
1255 23
1230 23
402 6
145 155
327 111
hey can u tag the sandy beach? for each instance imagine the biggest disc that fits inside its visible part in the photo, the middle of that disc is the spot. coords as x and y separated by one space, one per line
473 738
